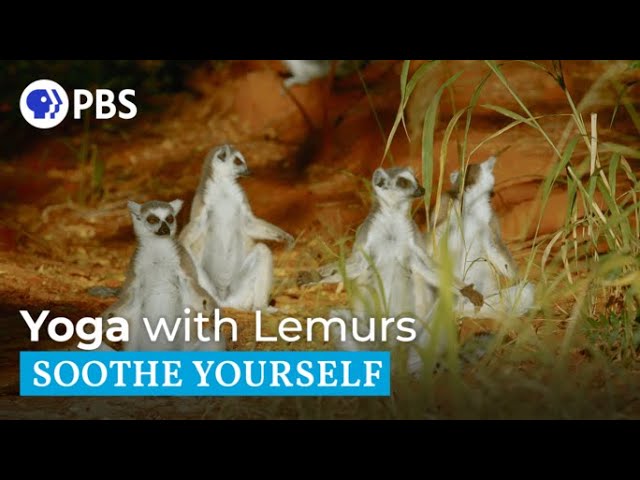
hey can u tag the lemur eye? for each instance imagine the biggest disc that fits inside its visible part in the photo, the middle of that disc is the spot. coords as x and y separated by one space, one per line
152 219
170 219
237 161
403 183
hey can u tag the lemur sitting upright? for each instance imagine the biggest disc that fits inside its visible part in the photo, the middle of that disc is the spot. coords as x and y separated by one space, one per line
222 235
389 257
470 226
162 282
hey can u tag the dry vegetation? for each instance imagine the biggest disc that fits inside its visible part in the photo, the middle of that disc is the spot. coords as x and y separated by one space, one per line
566 193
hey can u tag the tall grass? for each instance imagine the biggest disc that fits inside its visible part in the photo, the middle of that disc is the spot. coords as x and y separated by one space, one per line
558 362
574 358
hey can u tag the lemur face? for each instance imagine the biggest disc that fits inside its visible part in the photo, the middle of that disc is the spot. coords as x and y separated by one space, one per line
155 218
479 179
396 185
227 161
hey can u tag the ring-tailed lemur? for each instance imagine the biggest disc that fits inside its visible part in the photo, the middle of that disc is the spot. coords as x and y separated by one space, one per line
304 71
162 281
389 255
222 233
468 222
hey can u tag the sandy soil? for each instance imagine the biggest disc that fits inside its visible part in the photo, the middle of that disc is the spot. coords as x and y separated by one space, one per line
59 237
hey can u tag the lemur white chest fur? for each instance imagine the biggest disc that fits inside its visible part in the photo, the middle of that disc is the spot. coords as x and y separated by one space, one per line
222 235
227 242
388 240
156 266
468 237
225 203
389 247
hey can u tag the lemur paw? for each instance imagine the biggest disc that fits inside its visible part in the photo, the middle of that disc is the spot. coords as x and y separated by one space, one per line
473 295
307 277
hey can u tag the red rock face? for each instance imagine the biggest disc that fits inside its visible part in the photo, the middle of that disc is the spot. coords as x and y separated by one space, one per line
353 140
313 149
312 152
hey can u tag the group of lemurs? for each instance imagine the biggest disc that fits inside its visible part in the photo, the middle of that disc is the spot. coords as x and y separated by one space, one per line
217 260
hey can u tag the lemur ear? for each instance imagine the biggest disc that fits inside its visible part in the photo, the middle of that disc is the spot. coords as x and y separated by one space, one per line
454 176
380 178
491 161
224 151
176 205
134 208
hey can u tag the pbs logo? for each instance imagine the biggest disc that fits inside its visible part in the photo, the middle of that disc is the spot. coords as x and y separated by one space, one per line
44 103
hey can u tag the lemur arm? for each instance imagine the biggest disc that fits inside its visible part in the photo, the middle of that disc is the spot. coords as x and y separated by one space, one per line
124 307
355 265
421 263
497 252
197 220
427 269
196 296
259 229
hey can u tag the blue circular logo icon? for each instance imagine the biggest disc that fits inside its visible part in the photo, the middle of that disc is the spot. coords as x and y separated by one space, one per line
44 104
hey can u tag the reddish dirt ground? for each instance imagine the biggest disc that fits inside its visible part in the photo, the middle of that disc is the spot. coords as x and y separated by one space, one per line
58 238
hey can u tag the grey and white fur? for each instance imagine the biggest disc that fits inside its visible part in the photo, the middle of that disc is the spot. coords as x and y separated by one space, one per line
389 250
162 281
469 224
303 71
223 232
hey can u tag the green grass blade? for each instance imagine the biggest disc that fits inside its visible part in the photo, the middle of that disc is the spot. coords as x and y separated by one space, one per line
472 105
405 93
399 114
508 127
633 113
503 80
613 172
443 157
508 113
617 218
551 179
621 149
428 133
